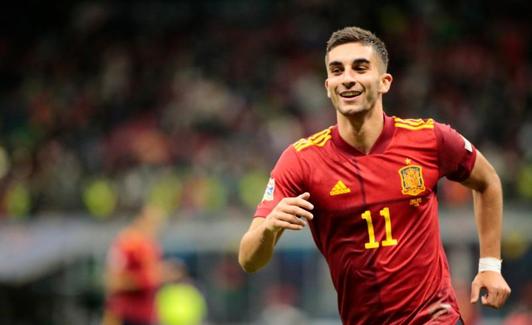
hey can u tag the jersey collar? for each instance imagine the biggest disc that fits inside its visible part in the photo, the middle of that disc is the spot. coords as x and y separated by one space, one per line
380 145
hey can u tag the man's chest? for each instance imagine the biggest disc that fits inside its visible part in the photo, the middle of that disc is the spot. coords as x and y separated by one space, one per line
362 182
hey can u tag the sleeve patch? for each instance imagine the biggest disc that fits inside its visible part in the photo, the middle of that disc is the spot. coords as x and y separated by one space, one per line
467 145
270 189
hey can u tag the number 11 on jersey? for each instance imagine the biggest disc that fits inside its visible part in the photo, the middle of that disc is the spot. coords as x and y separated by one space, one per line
389 241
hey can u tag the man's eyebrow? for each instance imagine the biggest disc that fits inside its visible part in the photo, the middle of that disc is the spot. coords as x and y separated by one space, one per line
335 63
361 61
355 62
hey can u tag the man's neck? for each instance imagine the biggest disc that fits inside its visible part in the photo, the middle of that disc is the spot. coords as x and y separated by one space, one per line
361 131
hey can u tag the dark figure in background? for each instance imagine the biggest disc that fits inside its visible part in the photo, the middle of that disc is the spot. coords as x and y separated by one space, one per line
135 271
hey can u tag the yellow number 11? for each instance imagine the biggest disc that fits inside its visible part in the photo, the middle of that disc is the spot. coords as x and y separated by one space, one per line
389 241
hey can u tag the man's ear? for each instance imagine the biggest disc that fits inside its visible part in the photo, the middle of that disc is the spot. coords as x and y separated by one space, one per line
327 88
386 82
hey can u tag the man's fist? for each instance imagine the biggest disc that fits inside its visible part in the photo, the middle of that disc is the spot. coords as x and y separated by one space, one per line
497 288
290 213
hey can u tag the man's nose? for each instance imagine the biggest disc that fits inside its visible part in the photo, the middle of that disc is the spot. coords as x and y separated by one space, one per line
349 84
349 79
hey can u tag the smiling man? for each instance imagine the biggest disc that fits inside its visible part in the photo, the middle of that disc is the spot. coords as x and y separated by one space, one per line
366 187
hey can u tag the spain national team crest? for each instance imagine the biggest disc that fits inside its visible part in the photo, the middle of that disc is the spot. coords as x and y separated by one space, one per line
412 180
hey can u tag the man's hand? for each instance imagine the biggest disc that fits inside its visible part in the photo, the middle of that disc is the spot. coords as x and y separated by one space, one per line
289 214
497 288
256 246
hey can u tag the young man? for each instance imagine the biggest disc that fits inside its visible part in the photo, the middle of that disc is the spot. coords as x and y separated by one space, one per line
366 187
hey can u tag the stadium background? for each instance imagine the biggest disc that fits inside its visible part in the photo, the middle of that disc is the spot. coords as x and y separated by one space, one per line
106 105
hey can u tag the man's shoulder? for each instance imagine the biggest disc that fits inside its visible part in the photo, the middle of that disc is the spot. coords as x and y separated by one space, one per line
307 151
316 141
414 124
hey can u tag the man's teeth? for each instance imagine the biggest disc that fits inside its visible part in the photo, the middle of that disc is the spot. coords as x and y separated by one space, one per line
350 93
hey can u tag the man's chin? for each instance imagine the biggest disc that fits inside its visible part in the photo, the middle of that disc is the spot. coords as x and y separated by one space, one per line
351 110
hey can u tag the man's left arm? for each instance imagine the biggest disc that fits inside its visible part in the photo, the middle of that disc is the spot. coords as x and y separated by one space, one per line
487 202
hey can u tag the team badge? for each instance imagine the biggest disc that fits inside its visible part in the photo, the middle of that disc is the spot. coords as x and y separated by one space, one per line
270 188
412 179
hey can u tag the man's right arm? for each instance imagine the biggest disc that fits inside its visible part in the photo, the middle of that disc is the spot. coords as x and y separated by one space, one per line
257 244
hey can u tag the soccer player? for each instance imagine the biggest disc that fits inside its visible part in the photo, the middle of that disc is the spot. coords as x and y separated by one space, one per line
366 187
135 271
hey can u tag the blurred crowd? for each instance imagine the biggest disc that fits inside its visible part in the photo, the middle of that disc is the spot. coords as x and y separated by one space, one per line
105 106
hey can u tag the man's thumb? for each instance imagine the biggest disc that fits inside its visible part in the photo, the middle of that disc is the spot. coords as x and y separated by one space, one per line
475 292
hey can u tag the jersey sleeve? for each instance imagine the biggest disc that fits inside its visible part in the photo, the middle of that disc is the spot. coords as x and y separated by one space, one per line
456 155
286 180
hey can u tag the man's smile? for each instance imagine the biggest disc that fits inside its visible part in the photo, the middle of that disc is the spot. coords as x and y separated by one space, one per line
350 94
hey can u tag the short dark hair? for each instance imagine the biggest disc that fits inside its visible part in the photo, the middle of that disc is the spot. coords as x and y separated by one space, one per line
358 35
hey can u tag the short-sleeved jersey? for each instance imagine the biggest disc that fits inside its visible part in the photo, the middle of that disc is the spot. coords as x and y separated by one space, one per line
138 256
376 216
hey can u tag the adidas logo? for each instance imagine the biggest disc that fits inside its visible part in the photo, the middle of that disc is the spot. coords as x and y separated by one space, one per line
339 188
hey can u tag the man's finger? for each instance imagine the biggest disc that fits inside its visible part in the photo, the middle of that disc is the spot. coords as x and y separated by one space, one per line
484 299
290 218
487 300
490 299
439 313
299 212
475 292
306 204
439 309
507 292
301 200
501 298
287 225
304 196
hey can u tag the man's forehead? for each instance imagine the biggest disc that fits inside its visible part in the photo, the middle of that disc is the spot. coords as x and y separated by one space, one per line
351 51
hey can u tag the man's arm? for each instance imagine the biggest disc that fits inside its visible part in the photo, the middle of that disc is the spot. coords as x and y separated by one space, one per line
487 202
257 244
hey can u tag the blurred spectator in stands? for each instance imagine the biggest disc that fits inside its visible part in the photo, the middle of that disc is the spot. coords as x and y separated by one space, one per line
135 271
103 91
226 286
280 307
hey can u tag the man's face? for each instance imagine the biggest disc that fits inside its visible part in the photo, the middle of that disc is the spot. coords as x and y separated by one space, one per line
356 78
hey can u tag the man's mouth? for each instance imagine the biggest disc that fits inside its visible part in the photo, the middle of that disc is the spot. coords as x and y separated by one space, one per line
350 93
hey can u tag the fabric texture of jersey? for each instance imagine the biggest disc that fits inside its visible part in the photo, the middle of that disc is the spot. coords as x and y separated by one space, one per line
138 256
376 216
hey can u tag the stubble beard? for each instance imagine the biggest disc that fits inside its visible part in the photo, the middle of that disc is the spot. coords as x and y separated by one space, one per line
352 110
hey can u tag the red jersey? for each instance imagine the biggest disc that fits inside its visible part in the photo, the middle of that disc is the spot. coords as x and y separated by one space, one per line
376 216
138 256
